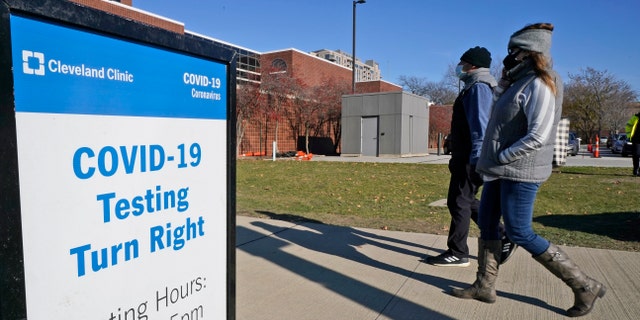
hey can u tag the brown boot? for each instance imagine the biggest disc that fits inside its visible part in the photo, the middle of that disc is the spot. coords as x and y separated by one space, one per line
585 289
483 288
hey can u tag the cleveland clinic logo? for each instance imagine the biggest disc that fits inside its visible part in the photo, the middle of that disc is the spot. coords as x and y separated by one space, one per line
34 63
32 59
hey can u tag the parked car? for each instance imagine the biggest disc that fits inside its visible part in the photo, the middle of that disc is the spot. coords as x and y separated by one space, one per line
617 145
574 144
604 140
620 145
626 147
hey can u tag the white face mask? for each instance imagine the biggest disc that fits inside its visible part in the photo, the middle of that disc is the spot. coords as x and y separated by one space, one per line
459 72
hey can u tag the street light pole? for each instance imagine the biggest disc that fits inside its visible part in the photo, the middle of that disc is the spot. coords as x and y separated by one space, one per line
353 52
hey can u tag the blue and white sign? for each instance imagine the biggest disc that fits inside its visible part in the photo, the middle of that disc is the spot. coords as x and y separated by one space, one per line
123 175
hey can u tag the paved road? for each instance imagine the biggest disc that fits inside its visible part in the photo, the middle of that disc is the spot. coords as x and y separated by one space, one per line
583 159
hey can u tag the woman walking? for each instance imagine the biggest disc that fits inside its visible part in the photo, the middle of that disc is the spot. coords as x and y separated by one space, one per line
516 158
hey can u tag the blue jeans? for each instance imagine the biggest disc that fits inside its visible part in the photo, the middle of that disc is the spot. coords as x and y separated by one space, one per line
513 201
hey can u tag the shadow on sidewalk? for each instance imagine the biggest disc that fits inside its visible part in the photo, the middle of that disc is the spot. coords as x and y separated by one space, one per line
357 291
343 242
621 226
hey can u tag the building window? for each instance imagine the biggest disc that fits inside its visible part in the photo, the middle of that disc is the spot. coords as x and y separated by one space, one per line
279 65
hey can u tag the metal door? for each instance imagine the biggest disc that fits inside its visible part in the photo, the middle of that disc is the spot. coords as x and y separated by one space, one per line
369 137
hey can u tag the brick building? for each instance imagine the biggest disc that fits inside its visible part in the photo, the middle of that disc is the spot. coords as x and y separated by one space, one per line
313 71
308 68
124 8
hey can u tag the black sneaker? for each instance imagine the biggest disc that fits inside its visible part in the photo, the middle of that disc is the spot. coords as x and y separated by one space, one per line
508 248
447 259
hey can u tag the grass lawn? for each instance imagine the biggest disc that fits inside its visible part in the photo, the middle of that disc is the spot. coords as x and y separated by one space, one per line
578 206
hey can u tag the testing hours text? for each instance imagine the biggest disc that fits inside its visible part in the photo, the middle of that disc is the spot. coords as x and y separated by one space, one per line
173 301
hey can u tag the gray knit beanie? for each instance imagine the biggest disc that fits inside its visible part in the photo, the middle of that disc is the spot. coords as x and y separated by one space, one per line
537 40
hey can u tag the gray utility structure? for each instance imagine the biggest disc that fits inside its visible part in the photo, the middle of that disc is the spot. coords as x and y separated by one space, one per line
386 124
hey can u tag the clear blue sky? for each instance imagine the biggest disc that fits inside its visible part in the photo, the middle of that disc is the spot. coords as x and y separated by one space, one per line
422 38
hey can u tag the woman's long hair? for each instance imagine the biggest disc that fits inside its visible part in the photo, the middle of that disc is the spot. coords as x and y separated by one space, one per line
541 63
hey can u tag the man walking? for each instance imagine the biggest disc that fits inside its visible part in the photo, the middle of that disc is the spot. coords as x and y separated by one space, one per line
633 134
469 120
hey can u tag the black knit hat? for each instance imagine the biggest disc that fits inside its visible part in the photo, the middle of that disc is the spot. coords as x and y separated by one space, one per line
478 56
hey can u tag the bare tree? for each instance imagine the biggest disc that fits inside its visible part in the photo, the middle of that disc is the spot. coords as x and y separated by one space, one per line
303 114
415 85
580 108
450 79
437 92
280 88
247 108
441 93
330 115
596 102
446 91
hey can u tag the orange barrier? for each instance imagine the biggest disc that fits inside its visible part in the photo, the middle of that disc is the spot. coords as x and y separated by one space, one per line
254 154
301 155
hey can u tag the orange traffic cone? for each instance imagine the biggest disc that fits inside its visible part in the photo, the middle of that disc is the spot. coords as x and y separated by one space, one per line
596 151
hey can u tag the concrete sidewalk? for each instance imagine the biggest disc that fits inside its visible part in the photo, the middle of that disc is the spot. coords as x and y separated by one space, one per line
582 159
314 271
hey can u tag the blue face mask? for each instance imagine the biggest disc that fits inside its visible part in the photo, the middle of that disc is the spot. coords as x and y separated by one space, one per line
459 72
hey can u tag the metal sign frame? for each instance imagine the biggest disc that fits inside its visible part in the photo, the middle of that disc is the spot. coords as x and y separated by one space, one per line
13 297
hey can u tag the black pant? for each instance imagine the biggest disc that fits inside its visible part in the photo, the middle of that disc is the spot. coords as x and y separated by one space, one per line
635 157
463 205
